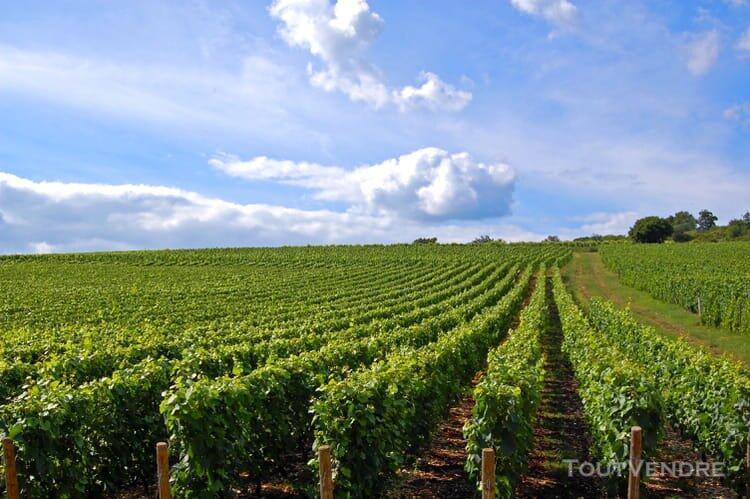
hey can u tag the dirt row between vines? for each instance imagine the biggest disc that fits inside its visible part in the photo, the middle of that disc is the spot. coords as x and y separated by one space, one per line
560 432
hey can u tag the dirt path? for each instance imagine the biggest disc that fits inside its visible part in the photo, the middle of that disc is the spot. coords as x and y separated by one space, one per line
439 471
560 431
674 448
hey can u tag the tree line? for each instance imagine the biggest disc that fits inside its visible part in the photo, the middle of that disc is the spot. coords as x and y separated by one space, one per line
683 226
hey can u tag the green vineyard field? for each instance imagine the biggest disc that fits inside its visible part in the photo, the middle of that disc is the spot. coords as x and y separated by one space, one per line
248 361
238 357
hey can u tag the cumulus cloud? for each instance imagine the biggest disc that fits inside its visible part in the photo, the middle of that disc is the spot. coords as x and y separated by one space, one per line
427 184
42 217
560 12
339 35
739 113
703 51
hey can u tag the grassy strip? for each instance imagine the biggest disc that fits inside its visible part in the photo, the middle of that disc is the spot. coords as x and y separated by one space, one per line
587 277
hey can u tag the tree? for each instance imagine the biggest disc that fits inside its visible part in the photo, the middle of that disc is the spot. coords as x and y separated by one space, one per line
651 230
706 220
683 221
746 218
552 239
482 239
425 240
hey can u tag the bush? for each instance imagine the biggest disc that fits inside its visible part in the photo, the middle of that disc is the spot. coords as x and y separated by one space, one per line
681 237
651 230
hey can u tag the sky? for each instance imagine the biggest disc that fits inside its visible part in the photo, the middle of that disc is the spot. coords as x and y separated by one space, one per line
140 124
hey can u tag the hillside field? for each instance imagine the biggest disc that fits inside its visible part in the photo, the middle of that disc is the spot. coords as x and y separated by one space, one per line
246 361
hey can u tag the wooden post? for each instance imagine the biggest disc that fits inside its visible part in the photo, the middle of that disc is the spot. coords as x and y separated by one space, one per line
636 446
162 470
11 476
488 474
700 307
326 478
747 466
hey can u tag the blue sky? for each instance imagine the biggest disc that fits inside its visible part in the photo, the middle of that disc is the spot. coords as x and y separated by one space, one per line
174 124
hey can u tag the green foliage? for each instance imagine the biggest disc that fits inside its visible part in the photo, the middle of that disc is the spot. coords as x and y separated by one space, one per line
650 230
507 396
374 416
707 398
683 222
616 393
706 220
425 240
717 276
221 351
85 439
680 236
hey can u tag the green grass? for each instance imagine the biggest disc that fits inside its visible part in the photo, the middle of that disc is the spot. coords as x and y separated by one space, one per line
587 277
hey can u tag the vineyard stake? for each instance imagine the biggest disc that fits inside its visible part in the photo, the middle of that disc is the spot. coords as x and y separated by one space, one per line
636 443
326 479
11 477
488 474
747 465
162 469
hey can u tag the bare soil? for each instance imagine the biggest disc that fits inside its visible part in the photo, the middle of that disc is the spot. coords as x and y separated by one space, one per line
560 431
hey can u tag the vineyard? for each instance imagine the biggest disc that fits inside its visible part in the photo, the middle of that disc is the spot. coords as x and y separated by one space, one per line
712 280
248 361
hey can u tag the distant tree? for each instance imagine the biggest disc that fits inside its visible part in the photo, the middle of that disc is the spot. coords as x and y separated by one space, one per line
425 240
482 240
650 230
552 239
746 218
683 221
706 220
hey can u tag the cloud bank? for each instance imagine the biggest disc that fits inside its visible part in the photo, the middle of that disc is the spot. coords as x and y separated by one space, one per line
427 184
339 35
60 216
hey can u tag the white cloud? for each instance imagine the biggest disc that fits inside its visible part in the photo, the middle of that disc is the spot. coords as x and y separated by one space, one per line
560 12
604 223
743 44
703 51
433 94
428 184
42 248
739 113
59 216
339 35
